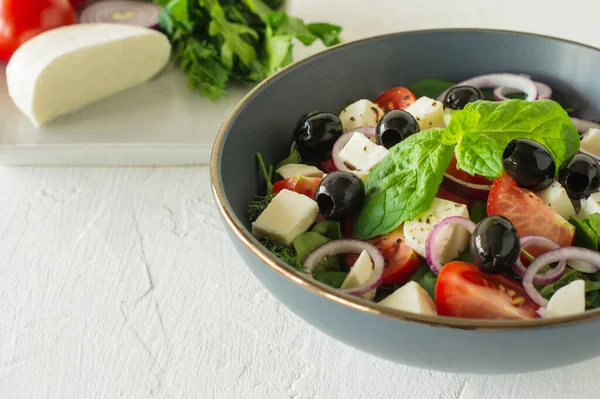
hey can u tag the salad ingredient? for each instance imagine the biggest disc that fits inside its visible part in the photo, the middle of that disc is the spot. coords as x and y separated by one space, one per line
432 246
428 113
426 279
523 83
544 92
551 275
463 291
300 184
22 20
590 143
294 169
410 298
529 214
459 96
401 261
589 206
340 195
580 176
592 286
77 4
316 133
529 164
293 158
587 235
396 98
557 198
359 274
361 154
288 255
465 185
288 215
478 211
568 300
260 203
359 114
67 68
583 125
122 12
395 126
495 245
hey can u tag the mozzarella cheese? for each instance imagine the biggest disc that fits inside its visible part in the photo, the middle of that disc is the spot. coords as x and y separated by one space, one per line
362 154
589 206
296 169
359 114
557 198
428 112
288 215
590 143
359 274
455 238
568 300
65 69
411 297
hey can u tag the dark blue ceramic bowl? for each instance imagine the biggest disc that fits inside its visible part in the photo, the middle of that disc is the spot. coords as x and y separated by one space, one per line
263 122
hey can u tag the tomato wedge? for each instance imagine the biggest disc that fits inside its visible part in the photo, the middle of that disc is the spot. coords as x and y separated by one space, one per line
463 291
300 184
529 214
396 98
464 176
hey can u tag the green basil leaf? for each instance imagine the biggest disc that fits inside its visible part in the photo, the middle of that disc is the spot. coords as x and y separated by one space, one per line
585 236
329 34
329 229
294 157
307 242
430 87
594 222
332 279
403 184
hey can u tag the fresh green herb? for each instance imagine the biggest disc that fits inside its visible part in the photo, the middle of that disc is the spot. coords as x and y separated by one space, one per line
256 207
592 286
478 211
465 256
594 222
287 255
585 236
329 229
294 157
430 87
215 41
426 279
331 278
307 242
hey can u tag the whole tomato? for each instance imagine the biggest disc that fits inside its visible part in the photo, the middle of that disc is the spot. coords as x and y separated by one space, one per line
21 20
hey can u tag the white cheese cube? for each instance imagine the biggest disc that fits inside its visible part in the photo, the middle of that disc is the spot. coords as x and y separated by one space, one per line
297 169
568 300
359 274
454 238
362 154
447 116
288 215
557 198
428 112
411 297
590 144
359 114
589 206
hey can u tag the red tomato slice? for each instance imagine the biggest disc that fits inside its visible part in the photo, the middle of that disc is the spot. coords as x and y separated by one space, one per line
463 291
401 262
464 176
300 184
447 195
328 166
529 214
396 98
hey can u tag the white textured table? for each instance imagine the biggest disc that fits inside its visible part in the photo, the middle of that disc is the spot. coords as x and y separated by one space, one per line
120 283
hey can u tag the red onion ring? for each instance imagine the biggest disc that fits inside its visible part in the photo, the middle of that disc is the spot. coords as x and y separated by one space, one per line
368 131
550 276
544 92
349 246
583 126
556 255
433 260
522 83
122 12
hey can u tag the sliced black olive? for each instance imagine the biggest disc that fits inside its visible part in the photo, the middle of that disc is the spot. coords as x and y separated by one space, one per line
459 96
580 176
395 126
494 245
340 195
529 163
316 133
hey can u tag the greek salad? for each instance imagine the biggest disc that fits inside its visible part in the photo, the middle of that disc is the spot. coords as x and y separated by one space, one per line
478 200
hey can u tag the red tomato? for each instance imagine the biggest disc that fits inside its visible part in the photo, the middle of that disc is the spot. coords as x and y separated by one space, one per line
396 98
77 4
529 214
300 184
401 262
464 176
328 166
463 291
20 20
447 195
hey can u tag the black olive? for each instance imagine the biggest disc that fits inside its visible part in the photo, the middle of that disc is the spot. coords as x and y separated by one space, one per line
340 195
529 163
316 133
459 96
494 245
395 126
580 176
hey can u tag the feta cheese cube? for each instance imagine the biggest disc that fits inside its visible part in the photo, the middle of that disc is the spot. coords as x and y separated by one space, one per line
411 297
288 215
359 114
568 300
557 198
589 206
362 154
359 274
590 144
297 169
428 112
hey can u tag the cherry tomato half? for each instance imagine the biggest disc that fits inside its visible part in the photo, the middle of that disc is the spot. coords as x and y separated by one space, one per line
396 98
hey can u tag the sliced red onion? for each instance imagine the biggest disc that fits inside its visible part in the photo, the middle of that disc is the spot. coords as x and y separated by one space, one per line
583 125
433 260
349 246
556 255
122 12
550 276
523 84
544 91
368 131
